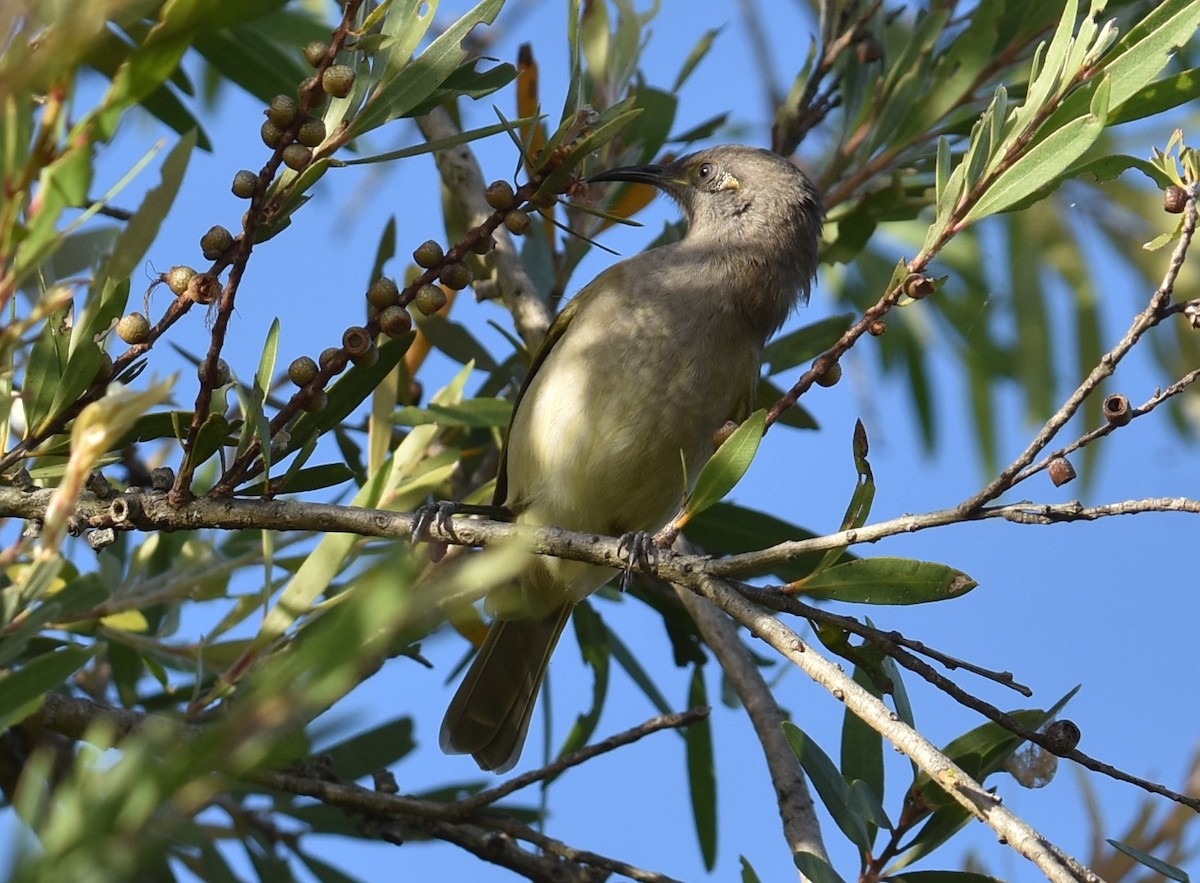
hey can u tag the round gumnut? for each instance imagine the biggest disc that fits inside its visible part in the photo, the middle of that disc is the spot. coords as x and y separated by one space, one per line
297 156
224 375
271 134
329 358
177 278
312 133
368 357
244 183
282 110
483 245
830 376
314 52
338 80
428 254
133 328
356 341
500 196
456 275
215 242
517 222
429 299
302 371
203 288
394 321
1174 199
382 293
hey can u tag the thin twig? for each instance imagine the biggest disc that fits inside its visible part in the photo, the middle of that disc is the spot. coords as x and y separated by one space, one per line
1154 313
677 720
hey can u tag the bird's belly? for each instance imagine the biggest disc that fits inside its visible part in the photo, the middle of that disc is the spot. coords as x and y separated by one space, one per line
615 450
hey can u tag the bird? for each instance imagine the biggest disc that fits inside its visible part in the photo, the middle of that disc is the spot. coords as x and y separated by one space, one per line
619 409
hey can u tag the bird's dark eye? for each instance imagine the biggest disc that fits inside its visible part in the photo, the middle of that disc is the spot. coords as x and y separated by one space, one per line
705 171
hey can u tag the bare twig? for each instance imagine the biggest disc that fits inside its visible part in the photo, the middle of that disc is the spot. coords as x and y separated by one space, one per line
801 827
1154 313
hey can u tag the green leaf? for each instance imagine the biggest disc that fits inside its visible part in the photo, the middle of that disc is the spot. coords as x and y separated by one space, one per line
22 691
695 57
862 747
456 341
727 466
805 344
1147 47
831 787
628 661
702 774
888 581
748 873
314 478
1157 865
439 144
399 93
815 869
1157 97
592 635
1045 161
728 529
375 749
480 413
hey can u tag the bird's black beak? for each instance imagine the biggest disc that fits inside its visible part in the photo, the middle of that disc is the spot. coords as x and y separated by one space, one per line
656 175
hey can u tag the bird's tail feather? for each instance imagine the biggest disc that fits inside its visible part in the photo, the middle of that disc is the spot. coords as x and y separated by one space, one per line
488 717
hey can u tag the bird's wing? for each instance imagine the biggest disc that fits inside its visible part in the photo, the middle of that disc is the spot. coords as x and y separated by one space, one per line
557 329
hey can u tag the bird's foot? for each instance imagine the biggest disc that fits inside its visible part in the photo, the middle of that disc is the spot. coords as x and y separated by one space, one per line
639 549
442 512
439 512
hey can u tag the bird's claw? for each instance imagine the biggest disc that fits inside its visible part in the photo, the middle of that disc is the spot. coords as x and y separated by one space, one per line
640 549
439 512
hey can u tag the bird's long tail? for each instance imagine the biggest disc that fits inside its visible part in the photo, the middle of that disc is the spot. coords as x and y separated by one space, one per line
488 717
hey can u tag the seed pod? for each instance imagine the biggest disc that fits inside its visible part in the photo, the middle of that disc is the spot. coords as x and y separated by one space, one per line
244 183
918 285
877 328
830 376
394 321
302 371
312 133
215 242
297 156
177 278
282 111
329 358
133 328
271 134
315 52
483 245
1117 410
456 275
162 477
428 254
429 299
368 357
382 293
203 288
500 196
224 375
356 341
517 222
338 80
1174 199
1062 736
1061 471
